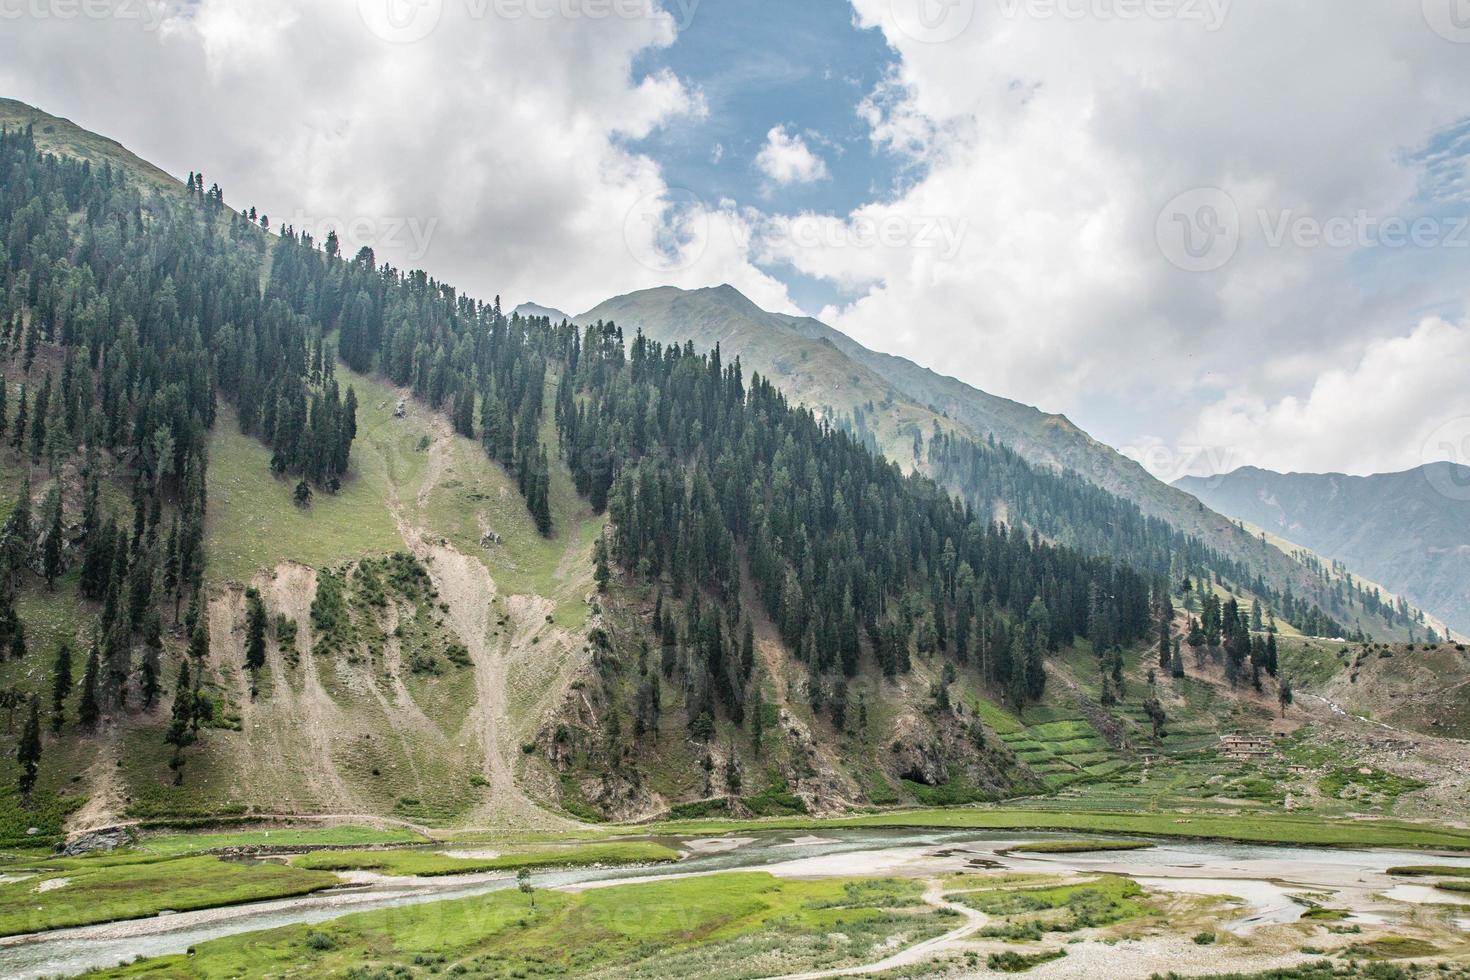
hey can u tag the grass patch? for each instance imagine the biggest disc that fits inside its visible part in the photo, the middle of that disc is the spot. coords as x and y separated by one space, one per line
956 792
1392 948
434 863
134 886
1430 871
1012 962
1320 914
725 927
1266 828
173 845
1078 846
253 522
1375 786
1063 908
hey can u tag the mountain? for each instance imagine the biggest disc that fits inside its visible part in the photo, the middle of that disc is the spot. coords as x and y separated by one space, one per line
54 134
835 375
529 310
1403 530
296 534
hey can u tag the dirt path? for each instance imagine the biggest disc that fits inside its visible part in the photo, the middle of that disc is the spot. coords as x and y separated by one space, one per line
915 954
291 589
465 586
106 797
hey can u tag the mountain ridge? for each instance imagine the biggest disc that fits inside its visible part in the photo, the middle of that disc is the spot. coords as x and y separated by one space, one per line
830 372
529 309
1402 529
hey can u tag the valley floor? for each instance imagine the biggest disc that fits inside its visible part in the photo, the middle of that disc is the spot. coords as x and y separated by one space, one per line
754 903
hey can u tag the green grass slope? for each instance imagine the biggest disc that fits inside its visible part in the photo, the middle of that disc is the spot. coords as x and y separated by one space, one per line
62 136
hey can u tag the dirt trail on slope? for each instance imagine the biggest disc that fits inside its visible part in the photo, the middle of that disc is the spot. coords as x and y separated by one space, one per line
465 586
106 797
289 591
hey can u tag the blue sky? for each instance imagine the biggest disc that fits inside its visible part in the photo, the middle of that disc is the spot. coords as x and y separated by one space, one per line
760 64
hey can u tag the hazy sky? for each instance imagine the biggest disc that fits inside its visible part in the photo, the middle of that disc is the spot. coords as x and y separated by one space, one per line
1213 233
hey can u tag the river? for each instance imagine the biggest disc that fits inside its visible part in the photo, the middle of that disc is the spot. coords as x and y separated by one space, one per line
1262 878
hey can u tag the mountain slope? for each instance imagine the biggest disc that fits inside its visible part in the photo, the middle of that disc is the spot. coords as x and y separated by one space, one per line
828 371
810 371
62 136
1396 528
529 310
370 616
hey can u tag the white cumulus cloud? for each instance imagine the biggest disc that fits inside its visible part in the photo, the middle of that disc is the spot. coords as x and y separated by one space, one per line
786 159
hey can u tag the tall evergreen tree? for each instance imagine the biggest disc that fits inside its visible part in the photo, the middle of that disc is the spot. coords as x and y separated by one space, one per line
60 686
255 623
28 752
89 707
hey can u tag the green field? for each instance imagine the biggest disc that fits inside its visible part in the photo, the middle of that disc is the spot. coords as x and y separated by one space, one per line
174 845
1078 846
104 889
1273 828
752 925
432 863
1028 914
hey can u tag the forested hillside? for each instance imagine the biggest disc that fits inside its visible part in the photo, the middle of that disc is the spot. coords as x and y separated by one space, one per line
760 590
1038 488
1409 531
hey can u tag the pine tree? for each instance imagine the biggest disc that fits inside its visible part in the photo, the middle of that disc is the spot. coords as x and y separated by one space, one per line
151 666
38 420
60 686
255 623
51 559
28 752
601 573
1166 631
89 707
22 415
1155 712
180 733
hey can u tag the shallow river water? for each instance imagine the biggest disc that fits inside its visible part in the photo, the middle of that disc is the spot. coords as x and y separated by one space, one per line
1261 878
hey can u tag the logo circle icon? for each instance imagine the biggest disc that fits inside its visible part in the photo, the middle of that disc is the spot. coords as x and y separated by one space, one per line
932 21
1450 19
667 231
400 21
1199 231
1446 456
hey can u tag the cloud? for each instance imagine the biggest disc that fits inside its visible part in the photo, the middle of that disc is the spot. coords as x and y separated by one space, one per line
1053 136
499 136
1400 405
786 159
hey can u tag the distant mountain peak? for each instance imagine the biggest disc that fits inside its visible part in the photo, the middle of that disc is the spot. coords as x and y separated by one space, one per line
529 309
896 399
1409 531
